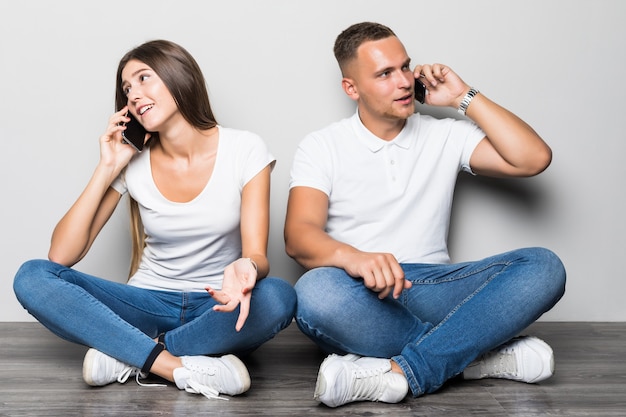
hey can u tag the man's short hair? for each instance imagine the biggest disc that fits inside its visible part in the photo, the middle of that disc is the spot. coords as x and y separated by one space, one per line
349 40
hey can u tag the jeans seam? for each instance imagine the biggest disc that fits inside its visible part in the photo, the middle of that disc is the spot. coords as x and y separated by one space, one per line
416 389
463 276
469 297
183 307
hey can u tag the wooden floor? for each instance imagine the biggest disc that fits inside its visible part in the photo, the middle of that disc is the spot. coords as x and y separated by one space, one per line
40 375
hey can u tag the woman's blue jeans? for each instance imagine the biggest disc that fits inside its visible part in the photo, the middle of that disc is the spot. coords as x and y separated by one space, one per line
452 314
122 321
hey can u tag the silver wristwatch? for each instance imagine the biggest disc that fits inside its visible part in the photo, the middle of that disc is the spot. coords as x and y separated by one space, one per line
467 100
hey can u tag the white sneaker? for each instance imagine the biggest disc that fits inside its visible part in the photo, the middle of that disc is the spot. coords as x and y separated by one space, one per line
344 379
212 376
100 369
527 359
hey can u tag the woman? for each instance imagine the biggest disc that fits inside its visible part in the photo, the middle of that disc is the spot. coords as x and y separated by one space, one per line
200 199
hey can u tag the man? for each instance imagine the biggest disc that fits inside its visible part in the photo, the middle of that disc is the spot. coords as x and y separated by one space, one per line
368 216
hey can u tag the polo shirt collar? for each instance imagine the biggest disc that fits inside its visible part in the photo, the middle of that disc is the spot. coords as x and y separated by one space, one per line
373 142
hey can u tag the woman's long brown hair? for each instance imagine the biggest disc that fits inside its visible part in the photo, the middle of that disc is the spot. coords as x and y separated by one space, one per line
182 76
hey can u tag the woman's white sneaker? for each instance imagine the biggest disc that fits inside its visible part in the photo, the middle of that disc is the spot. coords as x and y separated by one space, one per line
100 369
212 376
345 379
526 359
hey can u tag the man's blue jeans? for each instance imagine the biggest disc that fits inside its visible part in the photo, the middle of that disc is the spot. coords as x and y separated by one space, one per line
452 314
122 321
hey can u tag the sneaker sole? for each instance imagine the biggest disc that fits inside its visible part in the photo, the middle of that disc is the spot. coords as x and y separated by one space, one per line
88 363
238 368
321 384
542 349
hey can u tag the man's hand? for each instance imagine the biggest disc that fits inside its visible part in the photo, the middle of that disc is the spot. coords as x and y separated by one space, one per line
445 87
380 272
239 280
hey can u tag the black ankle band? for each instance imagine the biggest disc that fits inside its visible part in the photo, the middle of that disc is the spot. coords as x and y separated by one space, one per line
158 348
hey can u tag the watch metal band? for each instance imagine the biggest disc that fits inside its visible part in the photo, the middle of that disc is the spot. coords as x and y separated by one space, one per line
467 100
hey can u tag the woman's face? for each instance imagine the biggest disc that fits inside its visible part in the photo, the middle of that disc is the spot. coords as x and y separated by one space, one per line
148 98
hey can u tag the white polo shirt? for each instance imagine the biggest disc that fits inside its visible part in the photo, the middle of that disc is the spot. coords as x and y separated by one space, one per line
389 196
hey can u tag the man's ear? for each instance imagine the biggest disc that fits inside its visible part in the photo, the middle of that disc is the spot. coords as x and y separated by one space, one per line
349 88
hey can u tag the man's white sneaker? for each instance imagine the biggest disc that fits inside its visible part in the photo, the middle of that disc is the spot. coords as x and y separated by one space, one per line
345 379
527 359
212 376
100 369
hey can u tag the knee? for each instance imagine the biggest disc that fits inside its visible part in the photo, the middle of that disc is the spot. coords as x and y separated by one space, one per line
548 270
320 294
282 295
312 286
27 278
28 274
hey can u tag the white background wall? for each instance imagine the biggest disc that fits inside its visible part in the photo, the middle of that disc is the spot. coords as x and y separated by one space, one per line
560 65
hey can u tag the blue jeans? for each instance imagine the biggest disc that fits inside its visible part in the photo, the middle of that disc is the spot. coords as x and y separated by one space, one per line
452 314
122 321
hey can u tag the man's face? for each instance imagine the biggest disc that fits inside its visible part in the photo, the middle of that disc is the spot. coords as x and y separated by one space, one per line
382 81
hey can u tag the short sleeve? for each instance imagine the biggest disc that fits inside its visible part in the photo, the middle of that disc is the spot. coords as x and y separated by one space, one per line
473 135
312 165
255 156
119 183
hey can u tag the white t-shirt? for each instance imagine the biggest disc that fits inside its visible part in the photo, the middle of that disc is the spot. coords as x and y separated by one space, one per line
389 196
188 245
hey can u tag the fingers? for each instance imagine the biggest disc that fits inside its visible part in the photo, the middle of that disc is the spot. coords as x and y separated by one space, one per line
434 74
228 304
113 151
385 280
119 117
239 280
218 296
417 72
400 282
116 124
244 310
444 85
383 274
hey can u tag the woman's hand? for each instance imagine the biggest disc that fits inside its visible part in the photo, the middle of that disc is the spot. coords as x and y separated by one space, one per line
239 280
113 151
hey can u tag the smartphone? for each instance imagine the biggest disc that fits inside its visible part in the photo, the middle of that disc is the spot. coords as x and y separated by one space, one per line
135 134
420 91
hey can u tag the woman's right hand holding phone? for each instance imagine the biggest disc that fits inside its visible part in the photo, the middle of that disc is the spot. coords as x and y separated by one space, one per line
114 153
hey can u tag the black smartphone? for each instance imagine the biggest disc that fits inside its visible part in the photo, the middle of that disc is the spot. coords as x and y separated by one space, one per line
420 91
135 134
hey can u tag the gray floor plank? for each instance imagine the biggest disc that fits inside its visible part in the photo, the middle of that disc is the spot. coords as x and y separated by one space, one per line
40 375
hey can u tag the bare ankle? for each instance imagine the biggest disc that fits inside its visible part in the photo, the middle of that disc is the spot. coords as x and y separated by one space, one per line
395 367
165 364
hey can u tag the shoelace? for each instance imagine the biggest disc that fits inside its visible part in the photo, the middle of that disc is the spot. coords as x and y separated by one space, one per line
194 387
125 374
128 371
367 384
505 362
